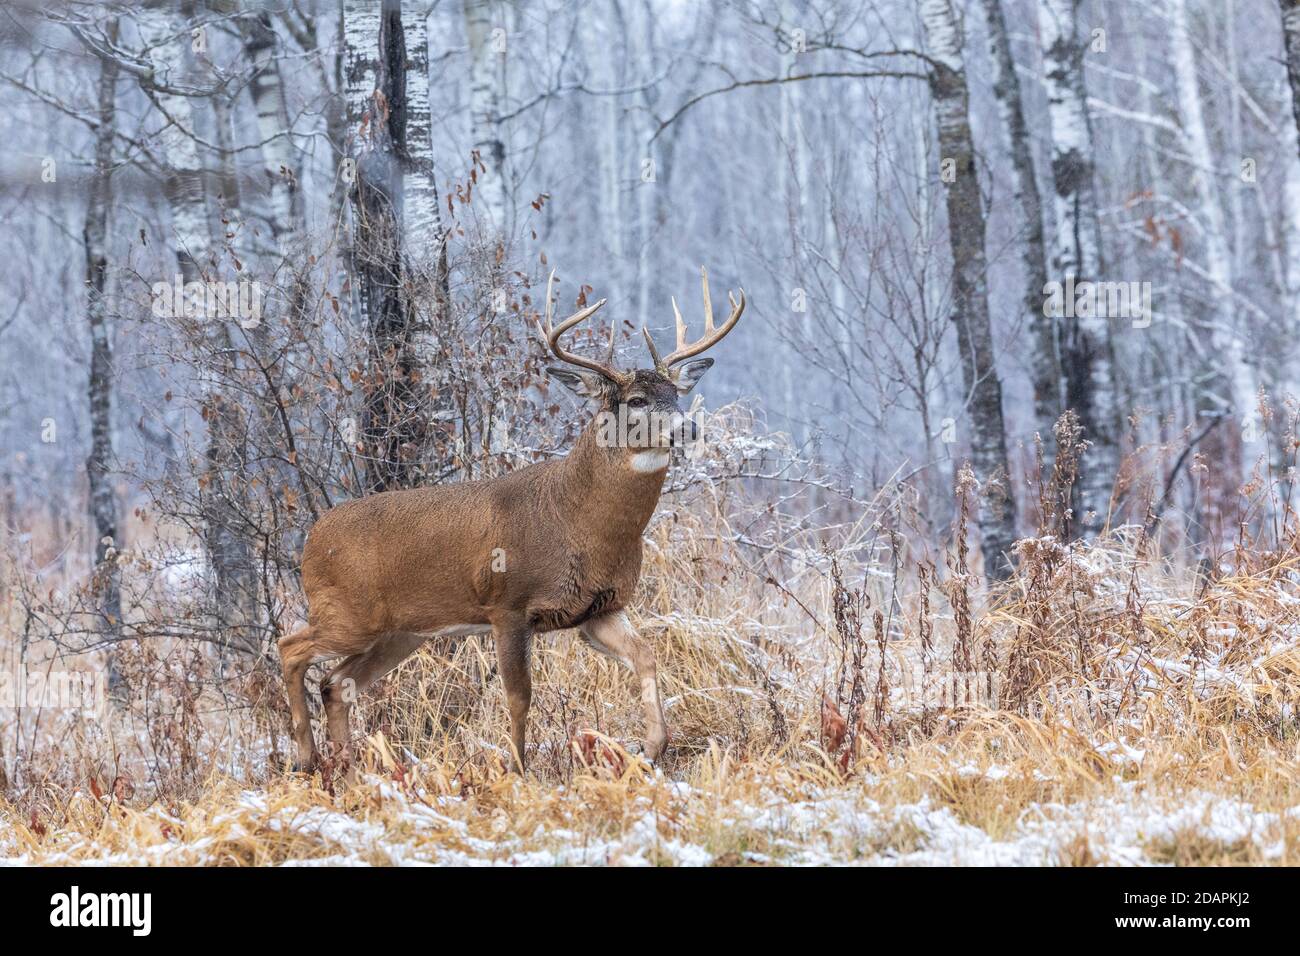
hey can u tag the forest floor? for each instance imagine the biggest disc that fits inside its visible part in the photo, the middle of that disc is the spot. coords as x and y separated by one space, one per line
1107 708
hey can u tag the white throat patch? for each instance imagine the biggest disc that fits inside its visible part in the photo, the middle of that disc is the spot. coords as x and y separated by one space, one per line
648 462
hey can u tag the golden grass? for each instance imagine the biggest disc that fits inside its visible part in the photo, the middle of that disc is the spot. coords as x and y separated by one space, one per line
1136 716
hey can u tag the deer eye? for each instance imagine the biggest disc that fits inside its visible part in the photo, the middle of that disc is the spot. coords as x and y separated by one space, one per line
637 402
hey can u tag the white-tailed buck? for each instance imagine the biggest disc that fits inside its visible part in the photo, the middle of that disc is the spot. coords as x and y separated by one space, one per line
551 546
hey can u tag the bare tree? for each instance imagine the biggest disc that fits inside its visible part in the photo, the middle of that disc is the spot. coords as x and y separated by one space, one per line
486 52
396 417
970 311
279 156
1291 40
1087 355
1225 385
1046 363
424 231
230 553
99 465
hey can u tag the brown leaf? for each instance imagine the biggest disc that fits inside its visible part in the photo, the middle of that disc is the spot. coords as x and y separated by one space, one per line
593 750
123 787
834 726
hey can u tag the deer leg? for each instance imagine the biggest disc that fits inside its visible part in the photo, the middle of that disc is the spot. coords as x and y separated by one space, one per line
613 635
514 660
296 653
354 676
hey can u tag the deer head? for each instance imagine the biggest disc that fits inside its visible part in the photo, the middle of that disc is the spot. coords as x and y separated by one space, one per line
642 404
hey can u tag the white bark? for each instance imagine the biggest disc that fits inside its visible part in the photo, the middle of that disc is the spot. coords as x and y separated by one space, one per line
234 584
485 96
611 151
1046 362
279 154
996 513
1291 206
643 51
423 224
166 38
99 464
1291 233
1225 342
1088 362
1291 40
361 20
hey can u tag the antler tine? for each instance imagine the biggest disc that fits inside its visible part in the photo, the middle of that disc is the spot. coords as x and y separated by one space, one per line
552 333
654 352
681 325
708 302
712 334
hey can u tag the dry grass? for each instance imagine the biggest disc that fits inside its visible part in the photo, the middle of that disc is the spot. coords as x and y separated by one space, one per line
1119 712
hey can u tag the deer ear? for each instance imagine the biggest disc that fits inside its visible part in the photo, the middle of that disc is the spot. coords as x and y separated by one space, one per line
586 384
690 373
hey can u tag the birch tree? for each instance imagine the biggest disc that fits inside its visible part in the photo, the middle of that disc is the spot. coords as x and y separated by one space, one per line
165 39
612 65
1291 42
1291 194
99 465
1045 364
1225 386
279 155
1087 355
970 314
486 51
395 425
425 236
423 222
231 556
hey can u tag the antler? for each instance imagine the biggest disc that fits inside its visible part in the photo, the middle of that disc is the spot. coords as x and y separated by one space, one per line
712 336
551 333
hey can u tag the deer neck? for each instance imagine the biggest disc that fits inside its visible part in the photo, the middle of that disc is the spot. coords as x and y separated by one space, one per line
611 491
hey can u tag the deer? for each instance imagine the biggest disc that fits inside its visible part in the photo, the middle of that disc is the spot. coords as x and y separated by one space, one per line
552 546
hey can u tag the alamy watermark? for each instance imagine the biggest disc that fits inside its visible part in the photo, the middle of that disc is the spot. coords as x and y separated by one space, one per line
1084 299
74 908
54 690
625 429
240 300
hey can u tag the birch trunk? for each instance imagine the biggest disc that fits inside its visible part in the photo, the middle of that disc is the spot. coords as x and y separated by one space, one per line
485 104
103 502
231 557
1291 40
997 511
610 52
424 233
1046 362
166 38
644 51
396 416
1291 206
423 223
1087 355
360 55
1226 385
279 156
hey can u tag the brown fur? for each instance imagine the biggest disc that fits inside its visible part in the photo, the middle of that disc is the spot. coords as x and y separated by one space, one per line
554 545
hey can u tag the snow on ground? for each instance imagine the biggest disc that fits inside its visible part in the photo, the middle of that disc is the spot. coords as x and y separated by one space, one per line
1128 826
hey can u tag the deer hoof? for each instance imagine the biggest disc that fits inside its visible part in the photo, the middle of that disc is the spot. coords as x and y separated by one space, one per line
655 747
